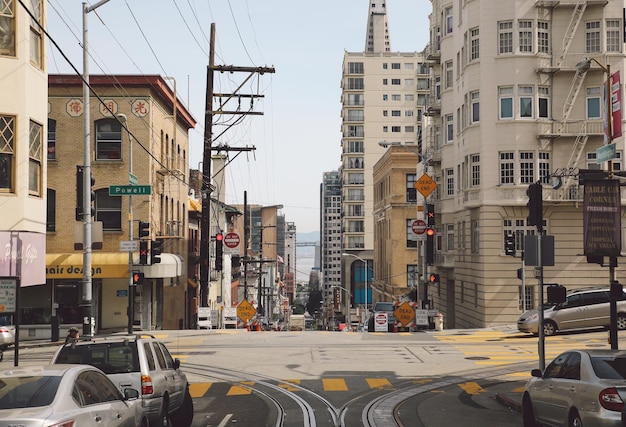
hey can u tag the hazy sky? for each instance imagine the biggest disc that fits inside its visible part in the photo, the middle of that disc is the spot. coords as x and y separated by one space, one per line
298 136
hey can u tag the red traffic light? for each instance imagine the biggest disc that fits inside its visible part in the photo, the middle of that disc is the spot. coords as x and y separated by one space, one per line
430 231
219 236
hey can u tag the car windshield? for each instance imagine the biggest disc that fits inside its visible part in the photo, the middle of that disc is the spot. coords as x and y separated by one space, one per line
383 306
610 368
28 391
110 357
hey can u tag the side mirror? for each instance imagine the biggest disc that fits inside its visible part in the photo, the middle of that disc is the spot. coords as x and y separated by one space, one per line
176 363
536 373
131 394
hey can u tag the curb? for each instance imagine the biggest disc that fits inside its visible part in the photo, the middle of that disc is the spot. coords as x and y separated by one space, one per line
508 402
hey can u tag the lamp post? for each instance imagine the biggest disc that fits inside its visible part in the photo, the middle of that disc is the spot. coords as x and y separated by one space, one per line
365 270
584 66
88 319
386 144
131 289
349 296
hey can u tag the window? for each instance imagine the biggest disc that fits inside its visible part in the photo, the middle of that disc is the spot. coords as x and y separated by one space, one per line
474 98
543 37
507 175
35 157
506 102
525 36
108 140
526 102
396 113
396 97
449 237
447 17
108 210
395 65
544 102
409 129
505 37
51 201
355 178
475 236
594 105
409 82
411 237
385 113
409 97
411 191
449 127
355 68
355 83
592 37
356 226
412 276
545 167
385 97
395 82
356 115
450 182
423 83
356 99
356 242
409 113
449 74
356 194
385 65
475 170
527 167
356 210
396 128
385 129
52 139
409 66
35 33
7 151
356 131
355 146
474 44
613 39
385 82
7 27
355 162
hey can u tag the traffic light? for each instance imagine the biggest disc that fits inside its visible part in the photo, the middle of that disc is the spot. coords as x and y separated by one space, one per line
430 215
535 205
430 246
520 274
137 278
557 294
219 251
80 189
509 244
144 229
433 278
143 252
156 246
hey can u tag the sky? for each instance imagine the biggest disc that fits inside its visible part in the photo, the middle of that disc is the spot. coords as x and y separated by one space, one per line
298 136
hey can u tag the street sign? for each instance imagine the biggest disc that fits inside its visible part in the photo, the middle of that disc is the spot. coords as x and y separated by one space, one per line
425 185
380 321
129 245
132 179
605 153
404 314
418 226
8 291
231 243
245 311
129 190
421 317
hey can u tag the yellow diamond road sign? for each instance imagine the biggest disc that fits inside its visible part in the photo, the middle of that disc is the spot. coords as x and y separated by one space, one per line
245 311
404 314
425 185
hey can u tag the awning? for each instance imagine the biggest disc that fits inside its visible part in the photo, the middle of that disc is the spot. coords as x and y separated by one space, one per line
104 265
171 265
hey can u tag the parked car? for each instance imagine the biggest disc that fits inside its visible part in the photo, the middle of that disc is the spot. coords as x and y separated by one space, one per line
391 318
579 388
142 362
583 308
66 395
7 332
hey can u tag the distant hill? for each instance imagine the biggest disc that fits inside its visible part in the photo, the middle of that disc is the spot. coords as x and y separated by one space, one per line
312 236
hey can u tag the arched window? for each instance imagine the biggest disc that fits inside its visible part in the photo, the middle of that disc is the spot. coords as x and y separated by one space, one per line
108 210
108 140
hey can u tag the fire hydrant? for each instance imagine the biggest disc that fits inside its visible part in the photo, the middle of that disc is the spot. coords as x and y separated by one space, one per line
438 321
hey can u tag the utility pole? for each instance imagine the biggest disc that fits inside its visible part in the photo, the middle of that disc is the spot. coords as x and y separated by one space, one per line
208 149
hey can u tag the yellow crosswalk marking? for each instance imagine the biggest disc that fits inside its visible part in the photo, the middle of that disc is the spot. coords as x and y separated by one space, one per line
287 385
471 387
334 384
378 382
199 389
238 390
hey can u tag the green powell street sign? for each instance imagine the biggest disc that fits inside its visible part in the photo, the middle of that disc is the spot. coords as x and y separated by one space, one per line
129 190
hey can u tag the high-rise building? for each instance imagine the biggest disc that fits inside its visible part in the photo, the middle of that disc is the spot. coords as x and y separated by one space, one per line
331 234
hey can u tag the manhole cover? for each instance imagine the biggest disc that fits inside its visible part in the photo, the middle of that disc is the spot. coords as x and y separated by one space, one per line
477 358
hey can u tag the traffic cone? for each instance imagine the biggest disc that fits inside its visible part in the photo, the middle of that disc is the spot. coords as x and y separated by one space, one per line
258 326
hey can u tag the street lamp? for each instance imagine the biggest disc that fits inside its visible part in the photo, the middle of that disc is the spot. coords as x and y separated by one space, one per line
365 270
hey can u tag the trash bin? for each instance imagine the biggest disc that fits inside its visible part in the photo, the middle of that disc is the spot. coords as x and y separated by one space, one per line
438 321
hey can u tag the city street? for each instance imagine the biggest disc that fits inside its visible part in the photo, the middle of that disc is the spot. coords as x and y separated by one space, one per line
353 379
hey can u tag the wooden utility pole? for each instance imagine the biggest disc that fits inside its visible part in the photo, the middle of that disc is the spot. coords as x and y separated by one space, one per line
206 189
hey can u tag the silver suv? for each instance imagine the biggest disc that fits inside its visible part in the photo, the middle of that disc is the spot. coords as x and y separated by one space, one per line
141 362
583 308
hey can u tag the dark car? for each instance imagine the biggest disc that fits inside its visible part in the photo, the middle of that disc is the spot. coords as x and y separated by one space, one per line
387 307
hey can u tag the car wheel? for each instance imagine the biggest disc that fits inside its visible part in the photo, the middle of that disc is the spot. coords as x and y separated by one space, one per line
184 415
549 327
528 414
574 419
621 321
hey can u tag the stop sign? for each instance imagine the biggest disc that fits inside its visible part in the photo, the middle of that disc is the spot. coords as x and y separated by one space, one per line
418 226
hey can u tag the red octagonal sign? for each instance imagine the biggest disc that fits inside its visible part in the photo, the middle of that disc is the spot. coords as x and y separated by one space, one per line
418 226
231 240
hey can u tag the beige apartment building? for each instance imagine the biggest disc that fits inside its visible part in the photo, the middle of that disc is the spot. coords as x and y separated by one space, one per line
156 127
515 107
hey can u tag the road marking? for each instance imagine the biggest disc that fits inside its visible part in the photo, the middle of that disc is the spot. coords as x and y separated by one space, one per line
471 387
225 420
238 390
199 389
378 382
334 384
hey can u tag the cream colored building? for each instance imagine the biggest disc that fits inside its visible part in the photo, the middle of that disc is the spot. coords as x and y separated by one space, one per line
159 125
23 115
514 109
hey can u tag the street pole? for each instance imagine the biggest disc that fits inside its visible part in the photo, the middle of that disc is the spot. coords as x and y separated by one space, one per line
88 319
364 317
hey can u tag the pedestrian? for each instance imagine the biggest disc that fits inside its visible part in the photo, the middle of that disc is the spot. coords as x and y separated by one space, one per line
72 334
